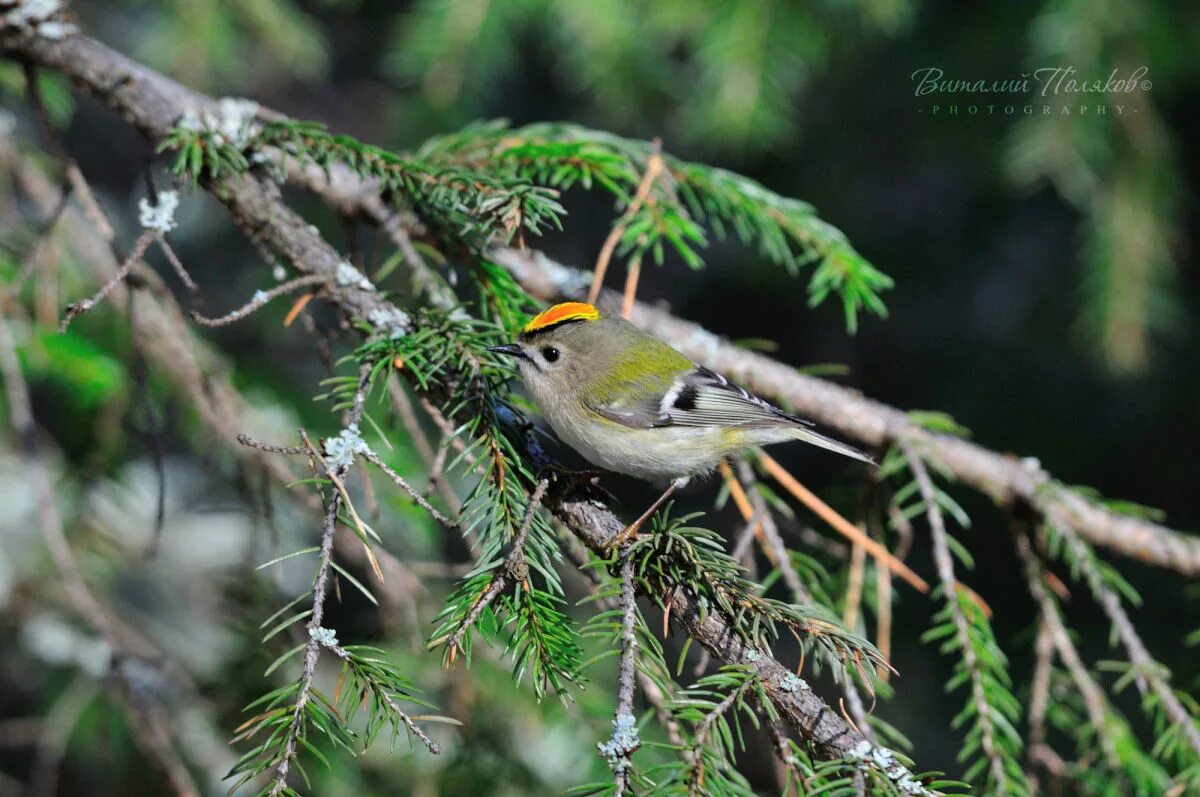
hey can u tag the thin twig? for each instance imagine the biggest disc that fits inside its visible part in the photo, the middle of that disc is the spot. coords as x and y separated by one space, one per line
1039 688
250 442
839 523
403 406
883 618
742 550
312 650
631 285
260 299
854 587
43 236
654 166
769 537
786 771
403 484
703 728
84 305
176 263
424 278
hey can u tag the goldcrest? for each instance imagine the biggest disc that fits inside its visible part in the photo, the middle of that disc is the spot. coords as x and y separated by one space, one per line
630 403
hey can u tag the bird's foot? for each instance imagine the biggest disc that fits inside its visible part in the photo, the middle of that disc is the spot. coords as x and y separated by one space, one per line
627 535
630 532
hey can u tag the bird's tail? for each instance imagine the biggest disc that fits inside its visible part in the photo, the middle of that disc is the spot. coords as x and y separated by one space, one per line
828 443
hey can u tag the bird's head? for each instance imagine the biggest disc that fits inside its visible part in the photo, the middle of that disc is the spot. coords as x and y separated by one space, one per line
558 349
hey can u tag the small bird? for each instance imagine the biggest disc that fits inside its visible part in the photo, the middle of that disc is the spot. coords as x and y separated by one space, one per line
630 403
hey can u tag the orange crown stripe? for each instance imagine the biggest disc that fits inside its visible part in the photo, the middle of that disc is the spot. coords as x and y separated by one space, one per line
559 313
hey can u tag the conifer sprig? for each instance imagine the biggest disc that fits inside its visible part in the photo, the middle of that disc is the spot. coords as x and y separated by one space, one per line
785 231
992 744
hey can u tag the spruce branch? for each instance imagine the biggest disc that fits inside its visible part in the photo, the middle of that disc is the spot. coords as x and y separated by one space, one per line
513 569
369 681
1056 632
256 205
991 708
805 712
677 197
312 652
1180 727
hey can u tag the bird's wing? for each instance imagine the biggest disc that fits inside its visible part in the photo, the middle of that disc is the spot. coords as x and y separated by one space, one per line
695 397
701 398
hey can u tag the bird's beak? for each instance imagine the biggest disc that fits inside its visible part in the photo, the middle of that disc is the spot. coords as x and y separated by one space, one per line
511 349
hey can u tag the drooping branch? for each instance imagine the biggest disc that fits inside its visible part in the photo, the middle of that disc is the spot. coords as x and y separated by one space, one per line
1059 638
943 559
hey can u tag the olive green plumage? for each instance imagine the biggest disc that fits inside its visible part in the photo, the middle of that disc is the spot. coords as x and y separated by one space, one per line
632 404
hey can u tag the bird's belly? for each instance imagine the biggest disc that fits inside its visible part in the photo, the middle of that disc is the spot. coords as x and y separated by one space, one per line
655 454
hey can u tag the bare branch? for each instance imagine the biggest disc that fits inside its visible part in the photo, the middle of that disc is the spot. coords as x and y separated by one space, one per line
625 673
400 482
654 167
84 305
839 523
259 300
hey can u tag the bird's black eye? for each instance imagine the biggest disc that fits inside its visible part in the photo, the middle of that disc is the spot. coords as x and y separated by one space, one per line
550 354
